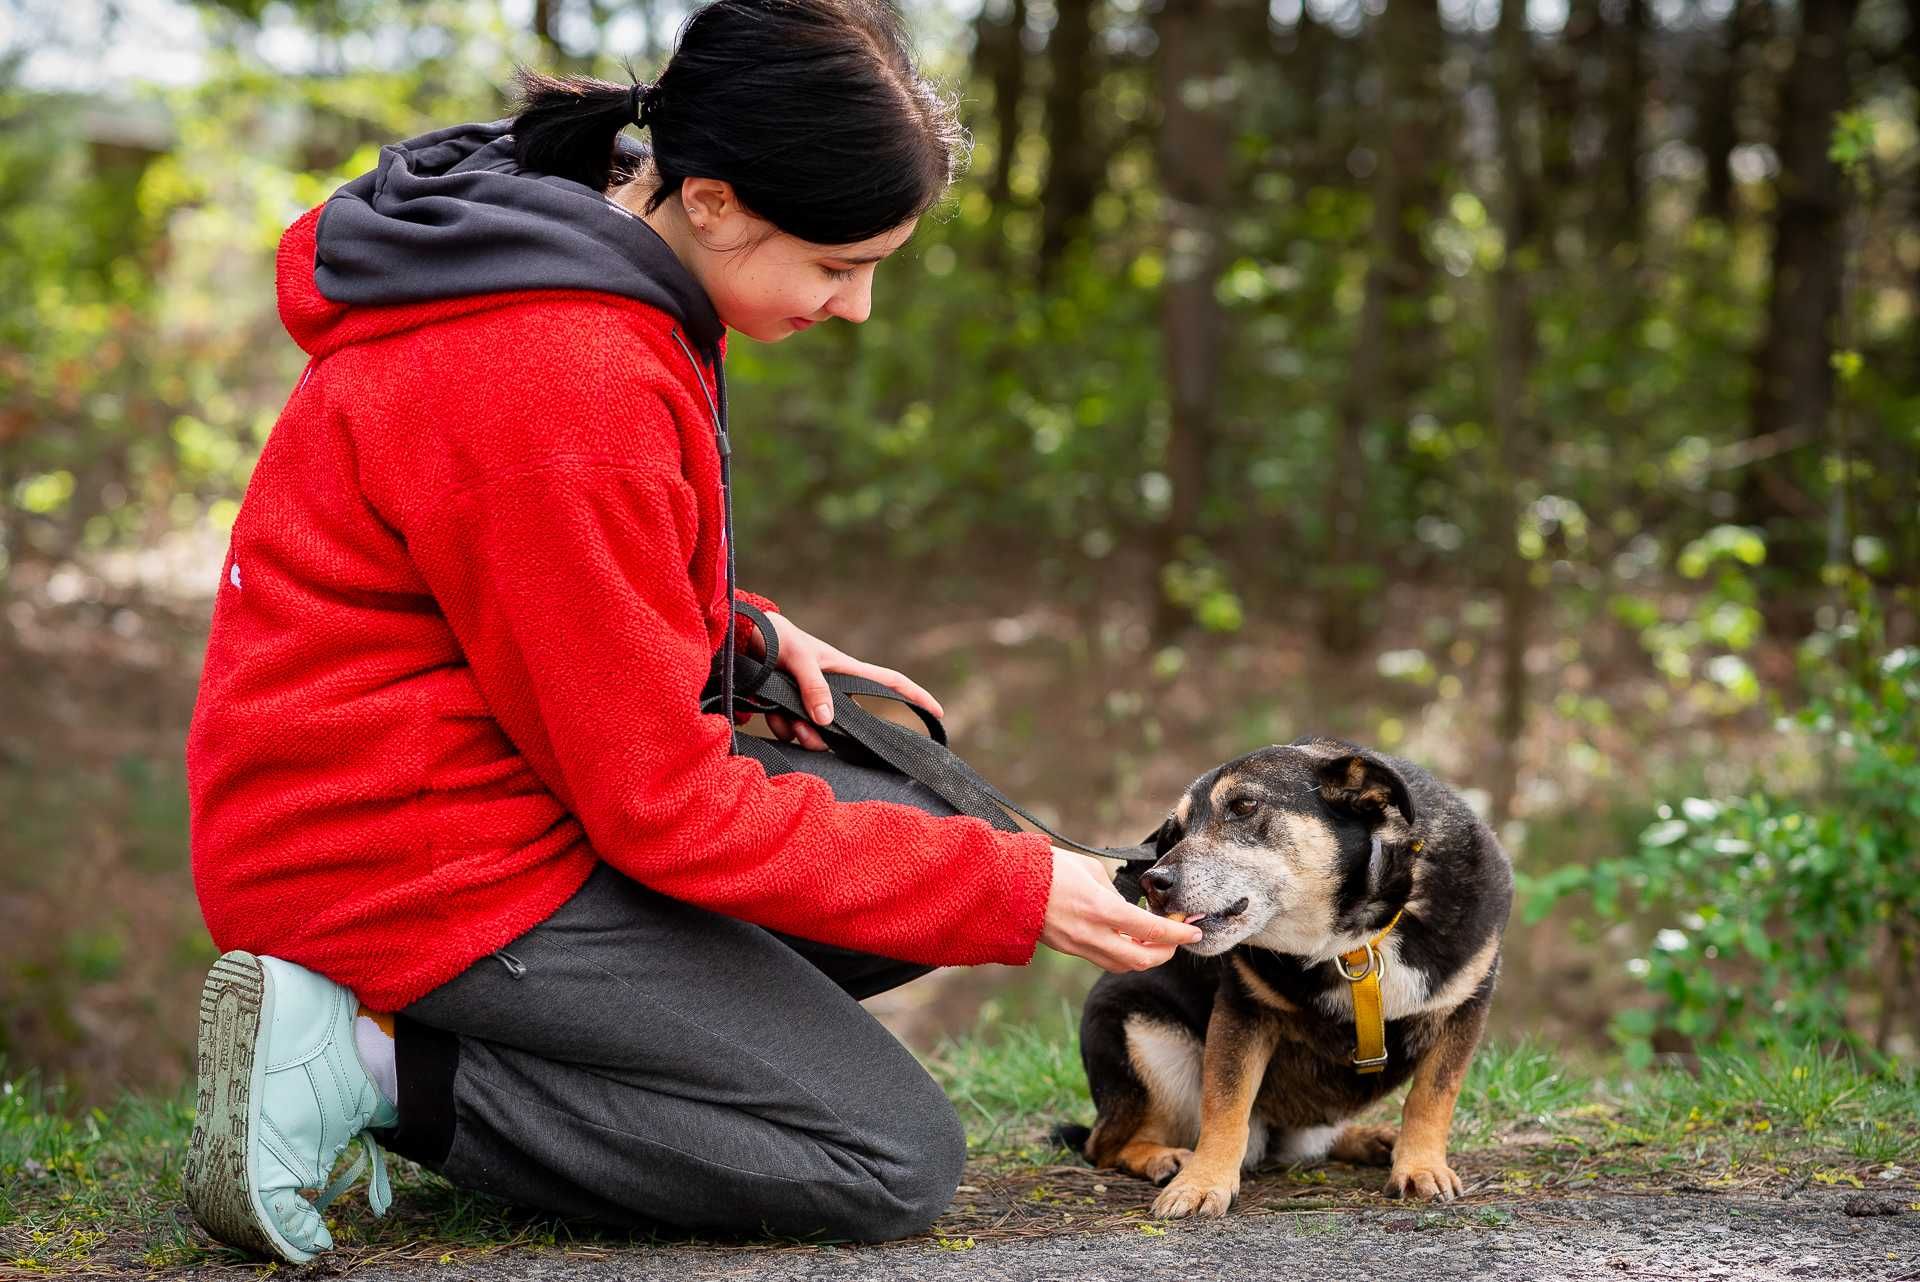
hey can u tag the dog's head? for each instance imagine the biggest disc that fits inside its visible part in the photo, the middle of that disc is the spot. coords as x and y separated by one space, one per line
1291 848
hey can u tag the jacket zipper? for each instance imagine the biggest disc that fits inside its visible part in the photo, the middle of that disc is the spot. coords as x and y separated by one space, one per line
726 504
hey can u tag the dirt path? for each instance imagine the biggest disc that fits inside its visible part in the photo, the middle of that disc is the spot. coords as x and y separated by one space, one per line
1654 1236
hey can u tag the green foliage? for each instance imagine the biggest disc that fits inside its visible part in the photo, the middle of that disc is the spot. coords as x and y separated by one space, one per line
1517 1083
1784 915
1012 1075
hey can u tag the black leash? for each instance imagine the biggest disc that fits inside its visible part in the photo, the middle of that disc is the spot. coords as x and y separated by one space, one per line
859 736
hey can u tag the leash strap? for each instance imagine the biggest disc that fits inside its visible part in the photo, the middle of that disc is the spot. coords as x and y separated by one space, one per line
861 737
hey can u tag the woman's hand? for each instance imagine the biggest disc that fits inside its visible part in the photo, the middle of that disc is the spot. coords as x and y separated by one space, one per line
807 659
1086 917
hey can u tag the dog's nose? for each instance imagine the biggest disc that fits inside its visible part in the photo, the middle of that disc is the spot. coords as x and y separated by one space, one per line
1158 882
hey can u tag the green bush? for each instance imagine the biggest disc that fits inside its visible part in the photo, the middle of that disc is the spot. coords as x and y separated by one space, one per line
1782 917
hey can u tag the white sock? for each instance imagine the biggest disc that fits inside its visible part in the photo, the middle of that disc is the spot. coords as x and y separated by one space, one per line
376 1056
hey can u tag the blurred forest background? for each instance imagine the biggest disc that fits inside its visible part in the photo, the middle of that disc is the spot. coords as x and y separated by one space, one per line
1530 390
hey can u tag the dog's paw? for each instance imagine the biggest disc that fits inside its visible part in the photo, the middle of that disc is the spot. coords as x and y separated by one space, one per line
1365 1145
1157 1165
1188 1196
1425 1181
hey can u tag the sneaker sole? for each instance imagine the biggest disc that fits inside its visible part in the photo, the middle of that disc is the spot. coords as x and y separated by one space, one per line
235 1004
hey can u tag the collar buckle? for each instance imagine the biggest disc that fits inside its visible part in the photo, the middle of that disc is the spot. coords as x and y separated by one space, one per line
1372 966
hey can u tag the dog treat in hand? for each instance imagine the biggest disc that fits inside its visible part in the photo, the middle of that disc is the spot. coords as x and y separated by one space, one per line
1179 917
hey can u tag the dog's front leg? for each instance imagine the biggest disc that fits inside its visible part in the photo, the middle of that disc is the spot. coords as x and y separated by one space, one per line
1233 1064
1420 1167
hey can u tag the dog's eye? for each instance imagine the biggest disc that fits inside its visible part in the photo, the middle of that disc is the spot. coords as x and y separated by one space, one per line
1243 806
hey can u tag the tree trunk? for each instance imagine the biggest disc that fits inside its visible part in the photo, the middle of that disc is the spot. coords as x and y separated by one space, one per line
1389 356
1566 73
1619 211
1194 160
546 25
1792 377
1514 419
1910 62
1073 167
1000 58
1723 73
1305 69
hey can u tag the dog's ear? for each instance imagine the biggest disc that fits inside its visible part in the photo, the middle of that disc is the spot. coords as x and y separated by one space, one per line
1366 787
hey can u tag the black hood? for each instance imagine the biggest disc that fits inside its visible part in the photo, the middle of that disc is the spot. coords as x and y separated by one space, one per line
450 213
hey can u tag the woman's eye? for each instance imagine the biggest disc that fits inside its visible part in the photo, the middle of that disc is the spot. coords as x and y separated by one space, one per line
1243 806
840 273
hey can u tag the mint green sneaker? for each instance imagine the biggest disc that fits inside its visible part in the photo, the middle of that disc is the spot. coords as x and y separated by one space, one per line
282 1093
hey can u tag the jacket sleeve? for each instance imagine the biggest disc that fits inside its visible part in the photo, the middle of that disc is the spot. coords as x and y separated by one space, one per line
745 630
754 598
567 588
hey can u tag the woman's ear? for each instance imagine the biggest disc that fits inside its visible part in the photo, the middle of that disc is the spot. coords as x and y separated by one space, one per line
715 211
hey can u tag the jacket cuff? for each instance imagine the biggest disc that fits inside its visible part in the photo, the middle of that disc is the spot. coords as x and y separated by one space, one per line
748 629
1030 872
755 599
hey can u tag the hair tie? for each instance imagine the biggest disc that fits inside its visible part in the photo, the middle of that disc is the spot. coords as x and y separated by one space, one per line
637 103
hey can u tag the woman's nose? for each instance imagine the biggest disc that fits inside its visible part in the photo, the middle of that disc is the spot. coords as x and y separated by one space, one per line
854 303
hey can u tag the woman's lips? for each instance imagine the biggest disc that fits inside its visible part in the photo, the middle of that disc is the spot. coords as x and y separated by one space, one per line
798 323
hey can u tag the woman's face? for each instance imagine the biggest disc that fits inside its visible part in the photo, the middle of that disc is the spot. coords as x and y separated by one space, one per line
781 284
763 282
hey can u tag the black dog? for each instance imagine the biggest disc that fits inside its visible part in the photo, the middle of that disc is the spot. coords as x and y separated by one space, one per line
1327 880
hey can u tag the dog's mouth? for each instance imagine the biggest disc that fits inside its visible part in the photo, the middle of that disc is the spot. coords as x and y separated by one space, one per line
1219 917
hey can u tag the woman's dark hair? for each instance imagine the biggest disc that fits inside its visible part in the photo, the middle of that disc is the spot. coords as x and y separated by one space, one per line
811 109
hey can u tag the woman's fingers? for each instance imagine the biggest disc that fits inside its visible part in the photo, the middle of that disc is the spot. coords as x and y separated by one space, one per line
1119 953
1137 939
893 680
1137 923
787 730
814 692
1086 917
1129 955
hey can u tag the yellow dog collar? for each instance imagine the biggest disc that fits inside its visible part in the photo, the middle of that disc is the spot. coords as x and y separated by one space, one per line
1361 969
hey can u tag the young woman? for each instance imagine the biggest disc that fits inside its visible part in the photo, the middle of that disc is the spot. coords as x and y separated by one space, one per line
448 759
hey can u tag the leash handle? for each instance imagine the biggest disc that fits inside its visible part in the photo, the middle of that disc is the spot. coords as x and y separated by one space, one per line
860 736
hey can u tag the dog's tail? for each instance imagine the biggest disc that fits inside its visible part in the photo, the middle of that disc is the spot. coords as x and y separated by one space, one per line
1071 1135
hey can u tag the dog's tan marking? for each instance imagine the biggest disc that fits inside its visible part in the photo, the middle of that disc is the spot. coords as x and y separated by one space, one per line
1262 991
1355 786
1221 786
1308 886
1314 852
1151 1160
1183 808
1234 1062
1365 1145
1420 1158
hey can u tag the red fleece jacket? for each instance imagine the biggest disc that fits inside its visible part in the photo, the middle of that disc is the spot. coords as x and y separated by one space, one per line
471 599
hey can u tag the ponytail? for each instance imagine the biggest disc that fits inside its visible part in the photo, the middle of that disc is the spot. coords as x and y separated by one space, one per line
566 125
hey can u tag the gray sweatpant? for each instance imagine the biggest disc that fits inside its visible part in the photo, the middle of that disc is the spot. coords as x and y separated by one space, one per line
643 1062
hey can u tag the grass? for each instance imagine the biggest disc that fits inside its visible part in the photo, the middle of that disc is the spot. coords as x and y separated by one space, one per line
98 1190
